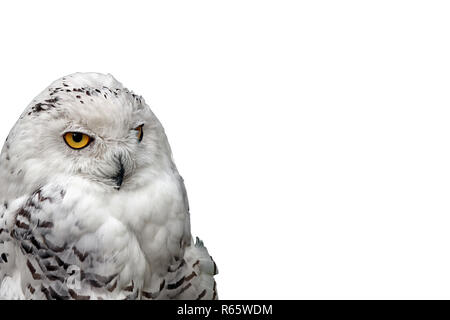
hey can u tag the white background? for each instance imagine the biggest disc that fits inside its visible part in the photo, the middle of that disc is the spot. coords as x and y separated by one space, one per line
313 136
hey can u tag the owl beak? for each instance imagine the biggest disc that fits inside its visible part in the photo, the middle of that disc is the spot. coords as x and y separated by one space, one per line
120 174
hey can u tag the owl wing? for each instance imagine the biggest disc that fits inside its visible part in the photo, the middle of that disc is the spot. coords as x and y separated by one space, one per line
193 278
37 262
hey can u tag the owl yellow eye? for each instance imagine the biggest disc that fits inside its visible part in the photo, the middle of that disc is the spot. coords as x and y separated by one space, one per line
77 140
140 132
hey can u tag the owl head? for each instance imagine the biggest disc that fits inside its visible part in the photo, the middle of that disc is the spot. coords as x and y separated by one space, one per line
86 126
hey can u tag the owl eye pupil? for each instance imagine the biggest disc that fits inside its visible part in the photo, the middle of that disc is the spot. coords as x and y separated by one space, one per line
77 137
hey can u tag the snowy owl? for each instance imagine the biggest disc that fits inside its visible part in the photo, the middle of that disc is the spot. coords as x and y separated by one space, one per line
91 203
